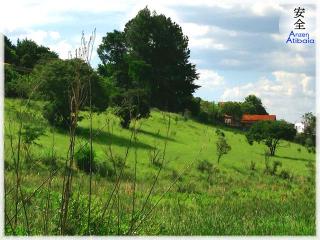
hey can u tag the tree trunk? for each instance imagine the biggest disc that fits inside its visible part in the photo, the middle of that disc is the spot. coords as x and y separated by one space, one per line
273 147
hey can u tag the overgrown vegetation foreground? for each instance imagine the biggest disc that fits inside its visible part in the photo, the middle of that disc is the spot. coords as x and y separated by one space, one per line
165 175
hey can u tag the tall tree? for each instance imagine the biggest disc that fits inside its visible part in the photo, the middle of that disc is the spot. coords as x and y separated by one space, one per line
156 52
9 51
161 43
129 76
29 53
253 105
309 133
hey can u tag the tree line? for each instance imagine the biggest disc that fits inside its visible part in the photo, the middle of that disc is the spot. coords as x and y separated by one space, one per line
145 65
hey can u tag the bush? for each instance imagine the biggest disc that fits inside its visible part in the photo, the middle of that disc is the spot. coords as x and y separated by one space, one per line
155 157
175 176
50 159
58 78
205 166
187 187
220 133
252 166
274 169
222 147
104 169
312 171
285 174
82 157
8 166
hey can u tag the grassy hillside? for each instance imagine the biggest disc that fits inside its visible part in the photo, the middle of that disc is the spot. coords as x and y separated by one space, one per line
237 198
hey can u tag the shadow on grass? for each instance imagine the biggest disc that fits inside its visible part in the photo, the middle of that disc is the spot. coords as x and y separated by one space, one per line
239 170
155 135
290 158
103 137
293 158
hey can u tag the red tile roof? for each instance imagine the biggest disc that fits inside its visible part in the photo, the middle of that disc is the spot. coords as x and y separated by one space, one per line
253 118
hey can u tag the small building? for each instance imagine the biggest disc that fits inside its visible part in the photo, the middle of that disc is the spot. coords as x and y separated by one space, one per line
299 127
248 119
228 120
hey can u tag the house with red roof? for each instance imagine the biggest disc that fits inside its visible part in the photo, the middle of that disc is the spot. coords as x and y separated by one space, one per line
249 119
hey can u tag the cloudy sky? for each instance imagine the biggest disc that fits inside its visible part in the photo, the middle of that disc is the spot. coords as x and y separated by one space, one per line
239 49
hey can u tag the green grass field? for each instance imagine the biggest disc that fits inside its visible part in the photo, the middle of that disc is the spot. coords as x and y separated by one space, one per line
235 200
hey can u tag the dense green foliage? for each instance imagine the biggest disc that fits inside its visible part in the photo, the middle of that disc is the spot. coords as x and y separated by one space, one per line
26 54
20 60
58 80
308 136
209 112
232 109
82 157
250 105
253 105
150 55
270 133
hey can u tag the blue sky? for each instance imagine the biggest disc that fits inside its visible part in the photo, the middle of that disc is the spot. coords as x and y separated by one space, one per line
239 49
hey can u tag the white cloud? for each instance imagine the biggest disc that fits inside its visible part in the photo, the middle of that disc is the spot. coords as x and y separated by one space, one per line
209 79
283 59
39 36
62 48
230 62
265 8
206 43
194 30
202 36
54 35
24 14
288 96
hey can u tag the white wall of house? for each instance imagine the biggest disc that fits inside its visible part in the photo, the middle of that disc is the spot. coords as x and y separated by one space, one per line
299 127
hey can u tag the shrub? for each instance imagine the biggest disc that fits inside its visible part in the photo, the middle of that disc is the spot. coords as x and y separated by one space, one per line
275 166
187 187
175 176
50 159
312 171
8 166
205 166
104 169
155 157
119 165
220 133
82 157
222 147
30 134
252 166
285 174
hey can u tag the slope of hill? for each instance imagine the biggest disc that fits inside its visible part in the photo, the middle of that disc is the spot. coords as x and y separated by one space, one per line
176 192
